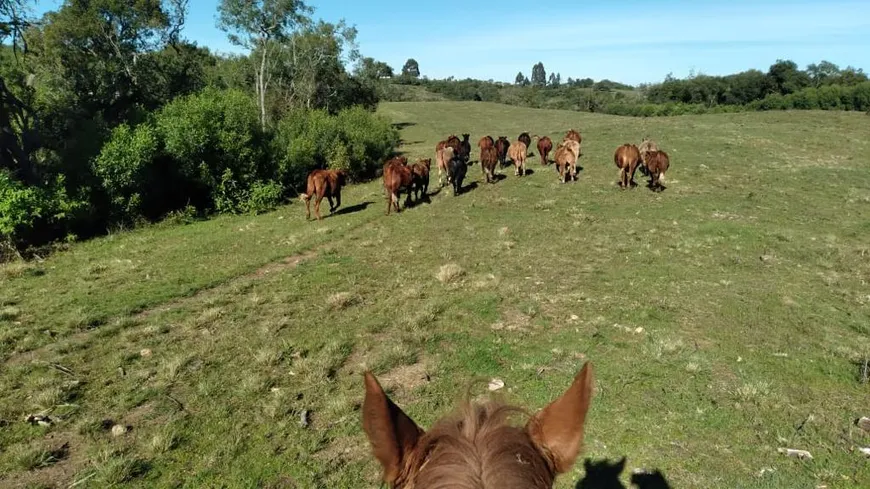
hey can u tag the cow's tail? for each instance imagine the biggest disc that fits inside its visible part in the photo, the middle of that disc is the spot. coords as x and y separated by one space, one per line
309 190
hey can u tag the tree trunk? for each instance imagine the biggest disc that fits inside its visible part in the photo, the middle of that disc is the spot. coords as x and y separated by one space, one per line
261 88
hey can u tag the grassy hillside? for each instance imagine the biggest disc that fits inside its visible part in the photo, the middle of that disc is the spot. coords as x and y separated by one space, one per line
726 317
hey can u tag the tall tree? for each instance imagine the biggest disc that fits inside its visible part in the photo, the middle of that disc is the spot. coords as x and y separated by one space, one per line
260 25
311 63
14 114
519 79
411 68
539 75
820 72
371 69
787 78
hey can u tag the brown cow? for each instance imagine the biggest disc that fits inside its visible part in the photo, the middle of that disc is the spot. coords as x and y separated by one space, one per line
545 145
398 159
486 142
517 153
442 161
477 447
566 161
421 170
657 164
525 139
573 135
626 157
323 183
397 177
488 162
501 149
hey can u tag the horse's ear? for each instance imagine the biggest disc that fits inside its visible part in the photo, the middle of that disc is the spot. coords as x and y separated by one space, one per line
557 430
392 434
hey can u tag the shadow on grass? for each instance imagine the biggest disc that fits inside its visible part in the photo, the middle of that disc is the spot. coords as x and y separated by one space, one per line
352 209
403 125
605 475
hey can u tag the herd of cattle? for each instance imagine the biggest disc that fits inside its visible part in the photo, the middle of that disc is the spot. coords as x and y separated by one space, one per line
452 159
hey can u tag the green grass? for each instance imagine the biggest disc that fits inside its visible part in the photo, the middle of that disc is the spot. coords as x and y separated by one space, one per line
726 317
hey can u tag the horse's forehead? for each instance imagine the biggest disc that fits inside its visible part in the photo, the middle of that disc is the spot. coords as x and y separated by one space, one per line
505 454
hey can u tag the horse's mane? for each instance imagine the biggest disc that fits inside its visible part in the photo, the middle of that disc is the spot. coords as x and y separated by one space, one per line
479 446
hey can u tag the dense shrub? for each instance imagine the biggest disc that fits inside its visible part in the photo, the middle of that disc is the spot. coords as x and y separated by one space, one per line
29 213
217 147
126 167
829 97
354 139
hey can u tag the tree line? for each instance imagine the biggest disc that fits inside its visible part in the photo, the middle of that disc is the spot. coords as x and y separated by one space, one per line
109 117
784 86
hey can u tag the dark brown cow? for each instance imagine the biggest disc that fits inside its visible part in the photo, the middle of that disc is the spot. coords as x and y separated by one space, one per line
545 145
626 157
657 163
477 448
573 135
465 148
421 170
455 143
525 139
397 177
501 149
323 183
488 162
486 142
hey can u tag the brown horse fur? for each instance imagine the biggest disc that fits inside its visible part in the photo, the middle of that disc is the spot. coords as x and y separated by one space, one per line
646 146
657 164
573 135
566 162
420 171
627 158
455 143
323 183
525 139
545 145
488 162
398 159
477 448
442 161
397 177
501 149
517 153
486 142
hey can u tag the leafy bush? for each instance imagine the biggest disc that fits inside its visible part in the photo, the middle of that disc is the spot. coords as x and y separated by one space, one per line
214 140
861 96
264 196
29 214
355 140
829 97
126 167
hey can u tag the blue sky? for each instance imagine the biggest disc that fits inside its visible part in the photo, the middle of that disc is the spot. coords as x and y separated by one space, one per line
627 41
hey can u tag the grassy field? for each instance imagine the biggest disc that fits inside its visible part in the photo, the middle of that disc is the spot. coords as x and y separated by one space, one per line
726 317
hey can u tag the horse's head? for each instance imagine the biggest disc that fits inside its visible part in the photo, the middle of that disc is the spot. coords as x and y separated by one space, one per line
477 448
